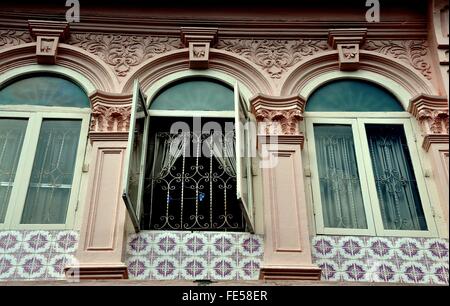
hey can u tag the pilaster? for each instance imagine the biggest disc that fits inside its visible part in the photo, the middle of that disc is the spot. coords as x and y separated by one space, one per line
103 233
287 253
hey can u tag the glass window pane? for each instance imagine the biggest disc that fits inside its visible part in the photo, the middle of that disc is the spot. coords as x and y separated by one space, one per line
352 96
51 178
44 90
340 189
12 133
195 94
400 203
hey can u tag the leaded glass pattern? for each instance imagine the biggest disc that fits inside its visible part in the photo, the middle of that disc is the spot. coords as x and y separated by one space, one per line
12 133
50 185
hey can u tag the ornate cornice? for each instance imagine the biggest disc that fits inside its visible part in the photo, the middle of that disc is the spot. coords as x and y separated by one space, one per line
275 57
346 36
110 116
123 52
278 115
413 52
49 28
432 114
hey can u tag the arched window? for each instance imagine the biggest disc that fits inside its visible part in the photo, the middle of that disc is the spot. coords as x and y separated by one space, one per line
43 129
189 166
366 174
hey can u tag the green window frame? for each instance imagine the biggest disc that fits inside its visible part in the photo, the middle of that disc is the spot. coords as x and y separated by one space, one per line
36 116
358 122
135 162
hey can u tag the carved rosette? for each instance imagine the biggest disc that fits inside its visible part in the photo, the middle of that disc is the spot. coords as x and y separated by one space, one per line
413 52
278 116
110 116
123 52
432 114
275 57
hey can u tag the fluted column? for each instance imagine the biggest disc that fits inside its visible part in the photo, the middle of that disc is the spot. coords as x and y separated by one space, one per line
287 253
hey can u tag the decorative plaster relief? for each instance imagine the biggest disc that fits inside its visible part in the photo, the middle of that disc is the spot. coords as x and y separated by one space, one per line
9 38
278 116
274 56
106 118
110 112
434 121
279 122
123 52
431 112
413 52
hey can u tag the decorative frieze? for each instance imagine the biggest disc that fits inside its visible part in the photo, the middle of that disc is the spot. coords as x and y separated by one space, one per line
432 114
278 115
413 52
10 38
274 56
110 116
123 52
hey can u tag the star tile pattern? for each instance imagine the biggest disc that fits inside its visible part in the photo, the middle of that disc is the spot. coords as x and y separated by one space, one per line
36 255
162 255
382 259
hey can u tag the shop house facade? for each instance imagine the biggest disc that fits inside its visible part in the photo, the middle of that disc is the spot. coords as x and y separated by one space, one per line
331 162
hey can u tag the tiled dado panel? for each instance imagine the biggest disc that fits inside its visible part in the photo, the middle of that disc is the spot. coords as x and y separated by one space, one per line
379 259
194 256
36 255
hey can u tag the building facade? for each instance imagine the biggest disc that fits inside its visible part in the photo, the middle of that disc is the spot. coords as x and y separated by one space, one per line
335 167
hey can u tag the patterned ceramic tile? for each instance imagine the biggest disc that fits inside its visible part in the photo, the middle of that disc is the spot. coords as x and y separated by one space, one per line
329 270
36 255
194 255
382 259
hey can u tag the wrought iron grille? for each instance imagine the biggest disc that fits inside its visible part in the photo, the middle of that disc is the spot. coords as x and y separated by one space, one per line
192 184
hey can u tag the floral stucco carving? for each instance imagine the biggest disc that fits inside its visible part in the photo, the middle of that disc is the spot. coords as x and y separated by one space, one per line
110 113
106 118
124 51
414 52
434 121
278 115
14 38
273 56
279 122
